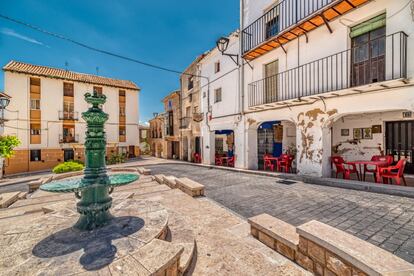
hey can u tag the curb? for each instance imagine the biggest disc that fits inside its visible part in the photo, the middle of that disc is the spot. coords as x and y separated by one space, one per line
394 190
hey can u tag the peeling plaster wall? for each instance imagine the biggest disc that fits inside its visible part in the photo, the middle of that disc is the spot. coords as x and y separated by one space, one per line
362 149
313 142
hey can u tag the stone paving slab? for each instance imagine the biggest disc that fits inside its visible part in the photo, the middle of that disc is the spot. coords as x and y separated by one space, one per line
383 220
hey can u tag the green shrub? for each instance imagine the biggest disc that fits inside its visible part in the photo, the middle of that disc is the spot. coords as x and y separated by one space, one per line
116 159
69 166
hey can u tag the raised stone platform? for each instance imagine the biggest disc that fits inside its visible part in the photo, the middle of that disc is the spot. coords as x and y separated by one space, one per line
47 244
325 250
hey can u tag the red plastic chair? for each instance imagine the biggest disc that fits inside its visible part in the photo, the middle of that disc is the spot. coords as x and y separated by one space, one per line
394 172
197 158
230 161
218 161
268 163
285 163
343 167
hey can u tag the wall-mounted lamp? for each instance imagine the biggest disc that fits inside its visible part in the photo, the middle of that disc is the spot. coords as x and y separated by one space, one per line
222 45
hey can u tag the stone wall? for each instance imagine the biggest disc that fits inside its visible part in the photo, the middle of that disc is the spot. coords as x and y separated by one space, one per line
327 251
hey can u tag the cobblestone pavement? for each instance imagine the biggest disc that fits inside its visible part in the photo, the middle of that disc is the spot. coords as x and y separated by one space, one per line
384 220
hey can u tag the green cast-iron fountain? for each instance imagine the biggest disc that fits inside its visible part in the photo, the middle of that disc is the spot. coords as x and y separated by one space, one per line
95 187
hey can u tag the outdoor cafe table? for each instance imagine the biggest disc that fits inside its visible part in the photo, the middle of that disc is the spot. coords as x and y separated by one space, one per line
273 159
360 165
224 159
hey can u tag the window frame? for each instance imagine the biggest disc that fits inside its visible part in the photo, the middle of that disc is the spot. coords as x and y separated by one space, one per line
34 158
216 98
217 67
37 105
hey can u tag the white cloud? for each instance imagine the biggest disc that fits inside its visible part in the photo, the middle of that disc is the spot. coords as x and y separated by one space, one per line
11 32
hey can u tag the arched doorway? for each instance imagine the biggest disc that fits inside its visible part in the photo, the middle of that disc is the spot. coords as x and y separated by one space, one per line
224 147
275 138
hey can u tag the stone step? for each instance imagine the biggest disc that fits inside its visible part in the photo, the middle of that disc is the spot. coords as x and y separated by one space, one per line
170 181
190 187
155 258
181 233
8 199
159 178
276 234
144 171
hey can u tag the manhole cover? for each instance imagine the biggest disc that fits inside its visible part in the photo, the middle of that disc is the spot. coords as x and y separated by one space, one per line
285 182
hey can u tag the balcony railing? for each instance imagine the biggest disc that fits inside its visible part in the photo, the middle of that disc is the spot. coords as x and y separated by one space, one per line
65 139
185 122
382 59
280 18
68 115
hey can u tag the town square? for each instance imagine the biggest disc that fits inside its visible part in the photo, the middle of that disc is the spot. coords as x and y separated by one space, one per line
239 137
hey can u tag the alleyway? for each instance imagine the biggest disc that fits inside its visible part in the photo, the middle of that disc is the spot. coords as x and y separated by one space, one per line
383 220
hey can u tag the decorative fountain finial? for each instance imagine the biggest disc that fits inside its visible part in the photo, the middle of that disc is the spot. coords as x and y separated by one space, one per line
95 187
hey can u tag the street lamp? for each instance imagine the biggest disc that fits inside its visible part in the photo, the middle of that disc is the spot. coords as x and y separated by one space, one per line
222 45
4 102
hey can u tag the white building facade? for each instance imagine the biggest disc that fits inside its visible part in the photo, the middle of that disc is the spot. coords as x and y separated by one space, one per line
45 114
223 128
321 78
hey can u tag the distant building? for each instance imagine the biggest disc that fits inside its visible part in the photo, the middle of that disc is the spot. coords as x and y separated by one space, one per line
45 114
164 131
144 146
190 111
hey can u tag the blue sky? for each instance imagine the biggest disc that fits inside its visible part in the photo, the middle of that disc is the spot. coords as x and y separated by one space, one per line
169 33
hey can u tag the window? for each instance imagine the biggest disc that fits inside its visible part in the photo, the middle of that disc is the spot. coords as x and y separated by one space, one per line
68 89
122 111
35 85
190 83
98 90
35 104
195 109
217 67
122 131
217 95
34 129
35 155
68 107
121 93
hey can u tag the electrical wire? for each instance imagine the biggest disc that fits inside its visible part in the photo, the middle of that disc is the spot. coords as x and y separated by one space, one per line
33 27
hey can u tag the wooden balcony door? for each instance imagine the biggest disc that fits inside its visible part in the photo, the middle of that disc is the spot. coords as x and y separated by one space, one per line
368 57
270 90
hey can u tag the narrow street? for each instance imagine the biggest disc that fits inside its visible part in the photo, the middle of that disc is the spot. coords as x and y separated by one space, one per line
383 220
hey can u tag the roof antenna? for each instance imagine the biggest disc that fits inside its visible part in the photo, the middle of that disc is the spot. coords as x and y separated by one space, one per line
97 70
66 65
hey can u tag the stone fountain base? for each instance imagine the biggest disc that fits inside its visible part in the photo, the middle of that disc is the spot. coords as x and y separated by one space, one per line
47 244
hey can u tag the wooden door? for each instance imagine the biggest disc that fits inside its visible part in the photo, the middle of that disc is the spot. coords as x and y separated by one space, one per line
270 90
368 57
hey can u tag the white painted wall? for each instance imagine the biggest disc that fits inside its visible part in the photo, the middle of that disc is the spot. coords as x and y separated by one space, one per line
322 43
224 114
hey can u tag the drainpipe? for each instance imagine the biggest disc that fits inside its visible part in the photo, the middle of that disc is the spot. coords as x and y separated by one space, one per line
241 80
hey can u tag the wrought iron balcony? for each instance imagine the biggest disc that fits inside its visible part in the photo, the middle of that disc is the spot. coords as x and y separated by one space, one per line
382 59
290 19
66 139
68 115
185 122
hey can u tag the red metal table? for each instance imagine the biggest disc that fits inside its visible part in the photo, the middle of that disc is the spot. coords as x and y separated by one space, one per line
275 159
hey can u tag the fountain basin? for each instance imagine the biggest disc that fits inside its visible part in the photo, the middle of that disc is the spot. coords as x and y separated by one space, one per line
77 184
